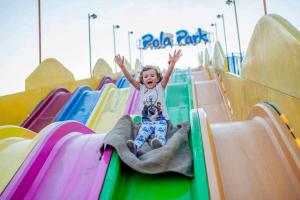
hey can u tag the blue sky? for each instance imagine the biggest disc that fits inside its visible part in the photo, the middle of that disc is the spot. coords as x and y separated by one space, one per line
65 33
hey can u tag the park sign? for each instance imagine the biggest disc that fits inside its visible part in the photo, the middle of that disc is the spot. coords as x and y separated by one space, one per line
167 39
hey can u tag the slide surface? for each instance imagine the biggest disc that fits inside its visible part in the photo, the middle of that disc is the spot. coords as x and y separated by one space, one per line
18 146
210 98
124 183
104 81
122 82
132 107
110 107
252 159
8 131
44 144
14 150
75 156
47 110
80 105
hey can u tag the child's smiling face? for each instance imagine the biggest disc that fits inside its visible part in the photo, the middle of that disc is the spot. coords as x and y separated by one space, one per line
150 78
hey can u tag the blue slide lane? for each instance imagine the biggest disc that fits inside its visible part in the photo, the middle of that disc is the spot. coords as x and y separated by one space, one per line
122 82
80 105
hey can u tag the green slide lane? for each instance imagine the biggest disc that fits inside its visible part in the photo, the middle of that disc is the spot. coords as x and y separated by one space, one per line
180 76
121 182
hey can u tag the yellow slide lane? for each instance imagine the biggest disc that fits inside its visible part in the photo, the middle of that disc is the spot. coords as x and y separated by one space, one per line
110 107
10 134
14 149
15 131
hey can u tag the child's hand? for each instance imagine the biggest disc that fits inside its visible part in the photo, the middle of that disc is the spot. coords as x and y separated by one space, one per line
120 61
176 55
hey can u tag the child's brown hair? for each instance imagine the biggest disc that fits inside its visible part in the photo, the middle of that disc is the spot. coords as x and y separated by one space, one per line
148 67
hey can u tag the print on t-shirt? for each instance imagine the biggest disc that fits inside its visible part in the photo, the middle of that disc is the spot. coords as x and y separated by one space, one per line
151 106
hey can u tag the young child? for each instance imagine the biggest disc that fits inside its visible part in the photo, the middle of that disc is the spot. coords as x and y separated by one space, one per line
152 102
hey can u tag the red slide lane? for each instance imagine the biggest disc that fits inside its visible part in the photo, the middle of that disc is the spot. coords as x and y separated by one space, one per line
47 110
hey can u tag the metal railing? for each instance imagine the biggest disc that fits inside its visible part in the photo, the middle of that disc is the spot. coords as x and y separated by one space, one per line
234 61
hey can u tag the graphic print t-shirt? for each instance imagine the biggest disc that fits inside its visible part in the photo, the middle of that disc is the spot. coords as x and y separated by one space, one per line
152 103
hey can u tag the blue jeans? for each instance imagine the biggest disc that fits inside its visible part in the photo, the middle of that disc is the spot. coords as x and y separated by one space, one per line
159 128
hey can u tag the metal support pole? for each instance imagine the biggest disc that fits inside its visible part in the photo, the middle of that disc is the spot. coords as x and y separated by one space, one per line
225 35
90 48
141 52
93 16
265 7
40 34
238 32
223 20
129 46
216 28
115 51
211 35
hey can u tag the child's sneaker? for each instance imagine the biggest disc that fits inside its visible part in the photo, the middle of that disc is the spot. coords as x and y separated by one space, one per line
131 146
155 143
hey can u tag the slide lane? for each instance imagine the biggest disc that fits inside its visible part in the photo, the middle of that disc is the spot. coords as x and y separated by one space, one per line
47 110
86 187
13 149
17 142
76 158
252 159
122 82
123 183
132 106
10 135
14 137
104 81
80 105
21 144
180 76
210 98
79 176
7 131
41 147
110 107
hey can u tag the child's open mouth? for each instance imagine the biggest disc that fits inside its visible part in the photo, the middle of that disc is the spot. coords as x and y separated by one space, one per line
150 82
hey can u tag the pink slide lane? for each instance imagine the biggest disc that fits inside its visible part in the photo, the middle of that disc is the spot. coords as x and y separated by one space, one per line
132 107
71 171
59 166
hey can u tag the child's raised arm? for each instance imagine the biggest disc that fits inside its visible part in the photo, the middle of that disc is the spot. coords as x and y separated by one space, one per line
120 61
172 61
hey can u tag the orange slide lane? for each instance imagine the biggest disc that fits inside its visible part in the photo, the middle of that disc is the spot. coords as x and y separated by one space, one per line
252 159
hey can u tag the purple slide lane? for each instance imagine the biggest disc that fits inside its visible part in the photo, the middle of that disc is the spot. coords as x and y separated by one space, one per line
104 81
